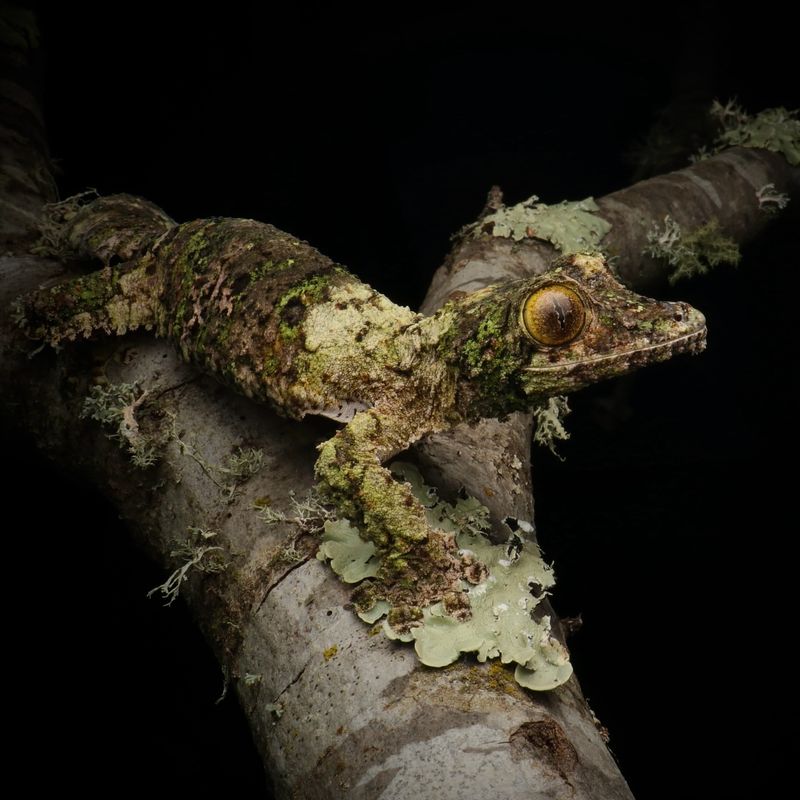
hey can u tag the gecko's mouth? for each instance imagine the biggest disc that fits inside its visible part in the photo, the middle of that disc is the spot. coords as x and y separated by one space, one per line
693 342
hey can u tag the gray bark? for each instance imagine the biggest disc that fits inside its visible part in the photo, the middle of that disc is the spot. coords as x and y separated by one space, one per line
367 721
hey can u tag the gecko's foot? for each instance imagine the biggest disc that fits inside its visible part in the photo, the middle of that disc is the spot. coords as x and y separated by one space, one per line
430 572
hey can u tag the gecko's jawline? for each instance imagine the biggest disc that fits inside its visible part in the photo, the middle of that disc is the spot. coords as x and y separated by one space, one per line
693 342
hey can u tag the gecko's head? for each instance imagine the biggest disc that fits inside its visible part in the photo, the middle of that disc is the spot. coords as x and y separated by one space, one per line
563 330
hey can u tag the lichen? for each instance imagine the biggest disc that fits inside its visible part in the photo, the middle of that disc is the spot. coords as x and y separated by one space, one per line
329 652
691 253
570 226
776 129
117 406
549 417
198 555
501 622
352 559
309 514
770 200
243 464
228 477
293 305
276 709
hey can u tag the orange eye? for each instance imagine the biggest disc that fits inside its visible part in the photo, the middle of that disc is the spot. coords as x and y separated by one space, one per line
553 315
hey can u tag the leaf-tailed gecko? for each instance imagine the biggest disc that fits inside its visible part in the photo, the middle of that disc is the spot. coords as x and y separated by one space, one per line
272 317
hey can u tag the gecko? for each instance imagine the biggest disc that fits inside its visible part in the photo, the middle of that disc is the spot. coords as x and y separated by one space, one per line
279 322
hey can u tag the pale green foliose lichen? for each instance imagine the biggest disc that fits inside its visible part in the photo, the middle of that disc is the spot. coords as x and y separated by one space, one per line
502 624
776 129
380 609
352 559
570 226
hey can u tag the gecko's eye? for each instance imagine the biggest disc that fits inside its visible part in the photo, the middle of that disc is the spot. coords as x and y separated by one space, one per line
553 315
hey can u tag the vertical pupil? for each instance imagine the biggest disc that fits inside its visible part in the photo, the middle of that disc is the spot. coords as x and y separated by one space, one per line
560 307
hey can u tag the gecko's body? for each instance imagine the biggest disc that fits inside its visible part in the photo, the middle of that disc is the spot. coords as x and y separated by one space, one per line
281 323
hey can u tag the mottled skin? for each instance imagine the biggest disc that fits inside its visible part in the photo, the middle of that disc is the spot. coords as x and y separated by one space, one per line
281 323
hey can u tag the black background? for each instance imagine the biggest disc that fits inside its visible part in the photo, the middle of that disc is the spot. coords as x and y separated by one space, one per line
375 135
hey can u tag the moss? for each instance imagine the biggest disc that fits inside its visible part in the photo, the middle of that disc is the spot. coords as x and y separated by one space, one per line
270 365
492 357
308 292
269 268
402 617
494 676
289 333
366 595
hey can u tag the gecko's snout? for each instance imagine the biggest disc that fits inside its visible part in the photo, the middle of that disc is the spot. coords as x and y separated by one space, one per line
688 315
691 328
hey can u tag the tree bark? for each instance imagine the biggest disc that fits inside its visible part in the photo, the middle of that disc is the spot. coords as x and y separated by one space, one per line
334 711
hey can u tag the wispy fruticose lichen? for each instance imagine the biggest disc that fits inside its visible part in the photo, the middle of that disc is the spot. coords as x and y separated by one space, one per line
570 226
276 709
771 201
501 624
776 129
228 477
199 555
550 428
308 514
243 464
691 253
116 406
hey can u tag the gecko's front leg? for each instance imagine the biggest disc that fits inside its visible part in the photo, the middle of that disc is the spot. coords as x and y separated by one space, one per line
419 564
